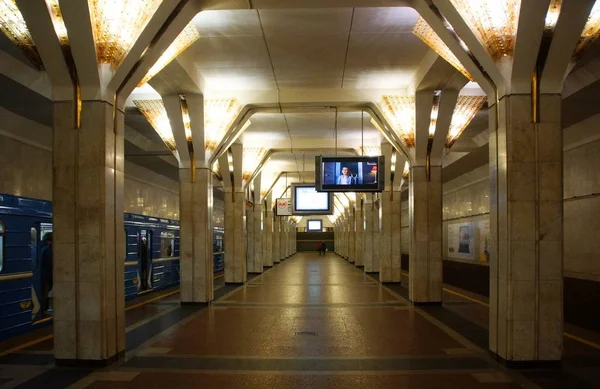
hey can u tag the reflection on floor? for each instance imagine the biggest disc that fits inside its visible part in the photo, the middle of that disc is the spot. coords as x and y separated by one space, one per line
309 322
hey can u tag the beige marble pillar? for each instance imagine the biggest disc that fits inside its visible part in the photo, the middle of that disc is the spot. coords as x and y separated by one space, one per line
282 232
351 234
195 236
526 213
389 267
250 240
425 224
396 234
376 236
267 238
88 236
258 235
359 226
276 238
235 239
367 252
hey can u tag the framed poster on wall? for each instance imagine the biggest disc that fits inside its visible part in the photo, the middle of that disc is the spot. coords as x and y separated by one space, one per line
469 240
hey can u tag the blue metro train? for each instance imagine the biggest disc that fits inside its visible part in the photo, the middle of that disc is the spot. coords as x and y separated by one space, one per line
151 259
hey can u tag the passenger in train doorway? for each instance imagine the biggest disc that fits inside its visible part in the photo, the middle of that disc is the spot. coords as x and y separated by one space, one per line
46 257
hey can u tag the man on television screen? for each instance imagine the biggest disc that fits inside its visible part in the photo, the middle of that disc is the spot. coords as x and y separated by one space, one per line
346 177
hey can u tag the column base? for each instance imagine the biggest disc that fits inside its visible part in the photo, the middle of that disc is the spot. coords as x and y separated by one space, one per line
193 304
267 267
234 283
426 303
255 272
89 363
391 282
373 273
524 365
360 266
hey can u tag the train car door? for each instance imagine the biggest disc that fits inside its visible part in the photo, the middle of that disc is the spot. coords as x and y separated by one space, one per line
145 256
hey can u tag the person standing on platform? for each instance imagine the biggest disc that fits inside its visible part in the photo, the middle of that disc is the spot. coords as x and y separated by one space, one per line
46 271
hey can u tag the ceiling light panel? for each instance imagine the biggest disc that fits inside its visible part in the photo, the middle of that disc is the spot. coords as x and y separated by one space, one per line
400 113
219 114
465 110
58 22
14 27
591 31
494 23
117 24
154 111
188 36
431 39
250 160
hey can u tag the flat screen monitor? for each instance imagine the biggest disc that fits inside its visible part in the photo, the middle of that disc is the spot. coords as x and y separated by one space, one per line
307 201
350 174
314 225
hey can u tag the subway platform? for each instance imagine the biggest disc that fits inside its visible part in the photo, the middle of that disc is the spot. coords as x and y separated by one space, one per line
309 322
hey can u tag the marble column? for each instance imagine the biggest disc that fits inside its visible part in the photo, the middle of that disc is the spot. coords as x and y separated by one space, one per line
250 239
282 234
376 236
267 236
88 233
397 233
526 231
425 225
195 236
390 258
258 233
235 239
351 234
367 252
276 238
359 227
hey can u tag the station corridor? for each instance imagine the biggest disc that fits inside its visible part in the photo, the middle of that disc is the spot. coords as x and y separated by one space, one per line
308 322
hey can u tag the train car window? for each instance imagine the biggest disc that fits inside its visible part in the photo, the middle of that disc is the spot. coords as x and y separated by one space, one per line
1 246
167 244
218 243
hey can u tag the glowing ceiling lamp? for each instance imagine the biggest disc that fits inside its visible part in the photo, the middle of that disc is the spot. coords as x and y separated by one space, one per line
494 23
434 114
14 27
591 30
351 196
188 36
370 151
552 14
219 114
154 111
400 112
58 22
250 160
431 39
187 122
406 170
465 110
117 24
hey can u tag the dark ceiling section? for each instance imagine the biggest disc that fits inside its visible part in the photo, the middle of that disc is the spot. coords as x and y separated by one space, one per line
137 121
10 48
469 162
581 105
155 164
24 101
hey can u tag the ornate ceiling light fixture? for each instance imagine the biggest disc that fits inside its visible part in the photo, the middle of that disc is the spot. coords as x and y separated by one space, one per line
465 110
406 170
400 113
187 122
14 27
219 114
424 32
591 31
250 160
58 22
552 14
435 107
117 24
494 23
188 36
370 151
154 111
